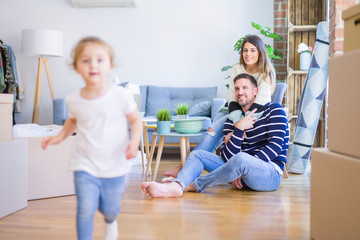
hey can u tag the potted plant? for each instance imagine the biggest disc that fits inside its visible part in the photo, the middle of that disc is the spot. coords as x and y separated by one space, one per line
163 116
182 111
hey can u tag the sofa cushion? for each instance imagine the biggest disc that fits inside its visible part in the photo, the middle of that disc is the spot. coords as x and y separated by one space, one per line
169 97
201 109
143 92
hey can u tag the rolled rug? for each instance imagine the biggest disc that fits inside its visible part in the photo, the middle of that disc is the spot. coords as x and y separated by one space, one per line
310 104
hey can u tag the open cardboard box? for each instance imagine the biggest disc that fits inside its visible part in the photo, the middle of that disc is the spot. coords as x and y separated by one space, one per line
13 176
6 119
49 174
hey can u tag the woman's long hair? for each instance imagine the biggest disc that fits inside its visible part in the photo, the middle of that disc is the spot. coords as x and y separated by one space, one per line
264 65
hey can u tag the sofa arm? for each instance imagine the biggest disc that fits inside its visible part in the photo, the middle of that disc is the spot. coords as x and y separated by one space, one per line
60 111
217 103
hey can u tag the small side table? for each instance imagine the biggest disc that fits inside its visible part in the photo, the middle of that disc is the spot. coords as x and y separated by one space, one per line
184 149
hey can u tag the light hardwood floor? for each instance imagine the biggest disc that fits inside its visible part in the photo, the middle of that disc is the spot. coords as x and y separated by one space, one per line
218 213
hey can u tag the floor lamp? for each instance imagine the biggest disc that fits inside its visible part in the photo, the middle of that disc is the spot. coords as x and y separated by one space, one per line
42 43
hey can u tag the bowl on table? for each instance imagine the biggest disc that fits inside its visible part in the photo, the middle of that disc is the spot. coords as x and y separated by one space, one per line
190 125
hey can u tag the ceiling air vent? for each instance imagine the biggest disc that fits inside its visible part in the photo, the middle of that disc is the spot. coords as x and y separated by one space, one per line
103 3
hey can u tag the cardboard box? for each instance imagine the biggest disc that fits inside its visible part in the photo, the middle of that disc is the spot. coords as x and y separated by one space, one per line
13 176
343 104
335 196
351 17
49 174
6 119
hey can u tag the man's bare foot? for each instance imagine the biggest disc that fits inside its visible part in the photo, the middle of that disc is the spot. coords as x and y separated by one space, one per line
190 188
160 190
173 172
167 179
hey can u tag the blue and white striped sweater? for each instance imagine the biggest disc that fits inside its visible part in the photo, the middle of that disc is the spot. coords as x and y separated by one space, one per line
268 140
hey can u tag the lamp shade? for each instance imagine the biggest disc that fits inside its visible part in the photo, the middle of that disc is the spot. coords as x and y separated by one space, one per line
42 42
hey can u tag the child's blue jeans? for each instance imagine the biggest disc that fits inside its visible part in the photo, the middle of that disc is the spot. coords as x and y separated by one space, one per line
96 193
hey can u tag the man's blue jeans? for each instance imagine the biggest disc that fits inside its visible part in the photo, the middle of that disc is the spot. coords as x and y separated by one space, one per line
211 142
96 193
255 173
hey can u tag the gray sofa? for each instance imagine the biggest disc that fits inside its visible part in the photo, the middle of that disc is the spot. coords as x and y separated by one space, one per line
201 100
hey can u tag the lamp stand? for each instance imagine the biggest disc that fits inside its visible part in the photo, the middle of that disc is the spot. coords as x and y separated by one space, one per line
42 60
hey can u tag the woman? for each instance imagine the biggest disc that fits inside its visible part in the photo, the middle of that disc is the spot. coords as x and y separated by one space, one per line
255 61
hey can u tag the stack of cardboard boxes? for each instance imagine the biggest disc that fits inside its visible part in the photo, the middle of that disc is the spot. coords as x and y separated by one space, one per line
26 170
13 162
335 174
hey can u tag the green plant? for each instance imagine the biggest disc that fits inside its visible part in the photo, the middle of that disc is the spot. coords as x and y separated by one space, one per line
182 109
163 114
265 31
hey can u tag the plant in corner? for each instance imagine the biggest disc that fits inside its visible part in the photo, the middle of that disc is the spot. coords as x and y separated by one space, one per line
265 31
163 116
182 111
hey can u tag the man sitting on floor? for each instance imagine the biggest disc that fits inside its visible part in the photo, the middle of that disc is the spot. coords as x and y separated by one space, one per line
253 152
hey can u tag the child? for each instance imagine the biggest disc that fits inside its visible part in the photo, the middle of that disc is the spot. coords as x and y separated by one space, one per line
100 112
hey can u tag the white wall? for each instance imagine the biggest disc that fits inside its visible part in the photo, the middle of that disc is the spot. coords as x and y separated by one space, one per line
161 42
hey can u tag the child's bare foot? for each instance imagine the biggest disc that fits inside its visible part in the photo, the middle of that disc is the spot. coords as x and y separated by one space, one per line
167 179
173 172
160 190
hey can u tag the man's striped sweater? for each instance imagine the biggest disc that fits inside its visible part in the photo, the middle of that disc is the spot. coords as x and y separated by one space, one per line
268 140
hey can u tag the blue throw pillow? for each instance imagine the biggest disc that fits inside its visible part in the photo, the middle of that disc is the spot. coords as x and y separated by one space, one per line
201 109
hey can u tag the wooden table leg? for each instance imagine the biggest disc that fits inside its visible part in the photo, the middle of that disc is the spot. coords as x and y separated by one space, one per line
142 151
158 156
285 173
145 134
151 154
183 150
187 147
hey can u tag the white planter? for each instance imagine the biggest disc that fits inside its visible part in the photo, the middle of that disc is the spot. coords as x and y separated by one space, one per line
305 59
182 116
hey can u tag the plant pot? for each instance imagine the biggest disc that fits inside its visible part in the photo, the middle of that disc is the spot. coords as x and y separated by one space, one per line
182 116
163 127
305 59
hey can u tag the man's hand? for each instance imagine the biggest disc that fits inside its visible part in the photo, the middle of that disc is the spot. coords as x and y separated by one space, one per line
237 183
227 137
246 122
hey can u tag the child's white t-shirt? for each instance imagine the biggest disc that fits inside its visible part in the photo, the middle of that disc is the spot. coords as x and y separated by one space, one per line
102 132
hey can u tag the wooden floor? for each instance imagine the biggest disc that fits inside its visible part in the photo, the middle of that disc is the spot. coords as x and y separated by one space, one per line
218 213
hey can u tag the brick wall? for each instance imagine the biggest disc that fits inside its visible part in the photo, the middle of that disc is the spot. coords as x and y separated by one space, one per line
280 27
336 28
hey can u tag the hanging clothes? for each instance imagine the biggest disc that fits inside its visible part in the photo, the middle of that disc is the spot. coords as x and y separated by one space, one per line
2 78
19 90
9 77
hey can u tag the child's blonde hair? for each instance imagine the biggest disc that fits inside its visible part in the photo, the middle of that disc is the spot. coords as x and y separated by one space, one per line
94 40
